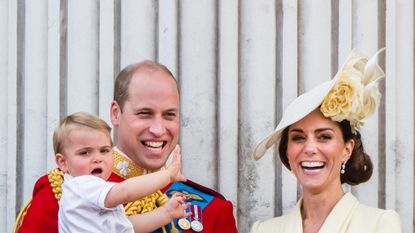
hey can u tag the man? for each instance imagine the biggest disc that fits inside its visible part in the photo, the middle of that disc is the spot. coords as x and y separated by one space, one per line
145 112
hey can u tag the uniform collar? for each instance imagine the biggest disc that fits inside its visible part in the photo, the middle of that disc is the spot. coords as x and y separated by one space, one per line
125 167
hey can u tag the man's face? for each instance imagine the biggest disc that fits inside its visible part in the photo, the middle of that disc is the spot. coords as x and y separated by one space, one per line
148 126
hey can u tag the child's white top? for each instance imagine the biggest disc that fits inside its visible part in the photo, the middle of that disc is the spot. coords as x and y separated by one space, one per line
81 207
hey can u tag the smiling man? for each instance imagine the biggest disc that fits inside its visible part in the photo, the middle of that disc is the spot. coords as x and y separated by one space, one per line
145 111
146 114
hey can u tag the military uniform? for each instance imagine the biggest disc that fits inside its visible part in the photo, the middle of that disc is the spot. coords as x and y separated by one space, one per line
215 212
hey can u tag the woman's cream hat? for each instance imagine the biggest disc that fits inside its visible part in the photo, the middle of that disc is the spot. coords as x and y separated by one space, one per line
352 95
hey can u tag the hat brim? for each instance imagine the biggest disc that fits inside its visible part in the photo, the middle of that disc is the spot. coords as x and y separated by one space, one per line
297 110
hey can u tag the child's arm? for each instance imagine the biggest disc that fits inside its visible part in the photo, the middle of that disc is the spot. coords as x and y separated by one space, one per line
153 220
138 187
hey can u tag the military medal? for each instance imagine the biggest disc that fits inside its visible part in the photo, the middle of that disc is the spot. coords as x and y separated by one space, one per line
196 226
196 222
184 224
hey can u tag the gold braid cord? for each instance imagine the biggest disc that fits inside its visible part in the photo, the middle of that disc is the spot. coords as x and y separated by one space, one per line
146 204
55 178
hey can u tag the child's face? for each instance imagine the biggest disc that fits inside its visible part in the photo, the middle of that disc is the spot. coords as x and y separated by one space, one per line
86 151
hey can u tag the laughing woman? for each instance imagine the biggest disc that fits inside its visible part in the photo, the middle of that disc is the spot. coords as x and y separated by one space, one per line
319 141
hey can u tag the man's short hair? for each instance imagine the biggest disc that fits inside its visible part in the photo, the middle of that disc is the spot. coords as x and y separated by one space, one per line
123 79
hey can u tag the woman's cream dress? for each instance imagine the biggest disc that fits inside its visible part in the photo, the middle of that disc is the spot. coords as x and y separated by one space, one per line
347 216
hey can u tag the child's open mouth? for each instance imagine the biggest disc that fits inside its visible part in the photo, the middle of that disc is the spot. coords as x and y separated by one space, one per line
96 171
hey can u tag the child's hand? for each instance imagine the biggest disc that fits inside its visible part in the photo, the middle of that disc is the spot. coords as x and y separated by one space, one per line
175 167
176 207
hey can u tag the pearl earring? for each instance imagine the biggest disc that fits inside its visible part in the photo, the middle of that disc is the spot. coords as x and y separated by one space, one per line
342 171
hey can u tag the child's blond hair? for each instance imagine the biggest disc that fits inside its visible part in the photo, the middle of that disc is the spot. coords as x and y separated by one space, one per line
75 121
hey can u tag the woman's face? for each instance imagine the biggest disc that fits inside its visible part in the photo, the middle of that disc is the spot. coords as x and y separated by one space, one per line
315 152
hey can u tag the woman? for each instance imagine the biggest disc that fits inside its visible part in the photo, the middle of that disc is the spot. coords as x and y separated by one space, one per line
319 141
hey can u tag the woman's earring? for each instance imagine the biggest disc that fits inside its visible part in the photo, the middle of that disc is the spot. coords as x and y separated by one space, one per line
342 171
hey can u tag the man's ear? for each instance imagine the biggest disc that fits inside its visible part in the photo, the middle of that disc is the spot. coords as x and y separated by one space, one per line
115 113
61 162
